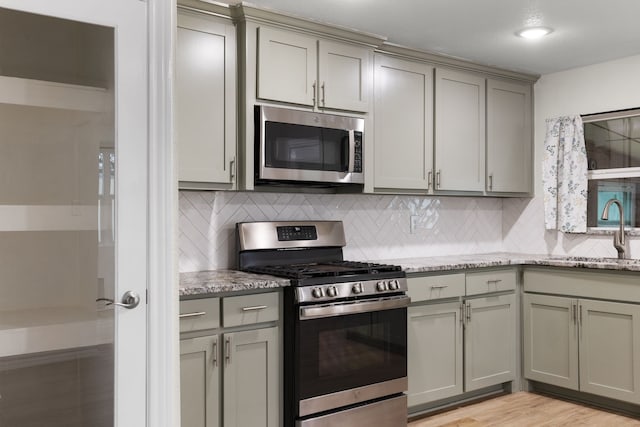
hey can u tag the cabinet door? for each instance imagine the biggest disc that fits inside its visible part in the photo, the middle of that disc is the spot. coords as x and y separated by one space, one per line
551 340
403 125
344 76
610 349
509 151
252 379
287 66
199 382
459 131
490 341
434 341
205 86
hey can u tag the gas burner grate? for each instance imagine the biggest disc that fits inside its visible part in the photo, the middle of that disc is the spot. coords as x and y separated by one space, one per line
324 269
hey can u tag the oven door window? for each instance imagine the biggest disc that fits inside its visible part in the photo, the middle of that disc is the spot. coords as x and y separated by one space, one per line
290 146
343 352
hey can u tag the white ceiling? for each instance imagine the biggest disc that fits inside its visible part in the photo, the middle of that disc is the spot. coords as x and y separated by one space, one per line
586 31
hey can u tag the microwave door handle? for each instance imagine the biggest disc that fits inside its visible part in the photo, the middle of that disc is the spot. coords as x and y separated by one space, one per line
352 151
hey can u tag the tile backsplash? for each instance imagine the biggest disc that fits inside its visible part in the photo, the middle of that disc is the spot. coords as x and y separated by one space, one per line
377 226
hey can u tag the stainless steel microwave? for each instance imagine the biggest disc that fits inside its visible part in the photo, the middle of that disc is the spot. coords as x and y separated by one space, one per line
307 148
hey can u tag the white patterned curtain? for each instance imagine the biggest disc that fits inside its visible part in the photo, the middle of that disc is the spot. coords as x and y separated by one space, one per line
564 177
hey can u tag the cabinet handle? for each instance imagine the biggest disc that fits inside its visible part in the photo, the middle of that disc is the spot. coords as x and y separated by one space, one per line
215 352
439 286
322 87
227 350
468 312
254 308
194 314
490 181
429 179
573 313
494 281
313 86
438 179
232 169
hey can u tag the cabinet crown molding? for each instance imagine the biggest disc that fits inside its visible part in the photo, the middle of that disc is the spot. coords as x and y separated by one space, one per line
245 11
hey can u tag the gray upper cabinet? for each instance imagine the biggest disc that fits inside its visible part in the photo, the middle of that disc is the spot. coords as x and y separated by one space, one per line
403 124
205 101
509 147
459 131
302 69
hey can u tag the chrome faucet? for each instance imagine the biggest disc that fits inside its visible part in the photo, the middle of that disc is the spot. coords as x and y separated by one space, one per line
618 235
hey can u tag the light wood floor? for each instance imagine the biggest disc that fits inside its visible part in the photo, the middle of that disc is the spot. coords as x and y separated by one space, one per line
525 410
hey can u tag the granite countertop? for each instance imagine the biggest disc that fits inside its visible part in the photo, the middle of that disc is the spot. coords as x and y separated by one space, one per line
222 281
458 262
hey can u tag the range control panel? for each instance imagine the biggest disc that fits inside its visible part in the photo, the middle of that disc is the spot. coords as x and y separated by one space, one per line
317 293
297 232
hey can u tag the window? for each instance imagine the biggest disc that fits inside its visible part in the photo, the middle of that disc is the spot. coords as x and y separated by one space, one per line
613 151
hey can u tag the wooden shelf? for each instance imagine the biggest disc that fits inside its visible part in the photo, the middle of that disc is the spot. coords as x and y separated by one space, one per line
39 93
46 329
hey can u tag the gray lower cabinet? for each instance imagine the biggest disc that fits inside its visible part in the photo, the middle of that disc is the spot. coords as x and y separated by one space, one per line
459 343
583 344
489 341
199 382
434 363
251 378
230 361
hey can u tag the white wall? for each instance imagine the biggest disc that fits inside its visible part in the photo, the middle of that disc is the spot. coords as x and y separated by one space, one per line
608 86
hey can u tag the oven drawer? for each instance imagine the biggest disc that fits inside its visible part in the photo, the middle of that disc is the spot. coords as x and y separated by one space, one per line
491 281
436 287
198 314
250 309
384 413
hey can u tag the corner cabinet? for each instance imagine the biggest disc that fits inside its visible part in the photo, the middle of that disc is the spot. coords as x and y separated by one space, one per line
579 341
301 69
403 125
461 334
230 361
459 131
509 146
205 101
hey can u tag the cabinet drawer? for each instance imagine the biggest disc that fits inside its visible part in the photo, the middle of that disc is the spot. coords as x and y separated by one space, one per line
249 309
199 314
435 287
491 281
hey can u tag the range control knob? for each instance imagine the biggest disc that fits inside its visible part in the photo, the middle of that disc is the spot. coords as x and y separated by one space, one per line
317 293
393 285
357 288
332 291
381 286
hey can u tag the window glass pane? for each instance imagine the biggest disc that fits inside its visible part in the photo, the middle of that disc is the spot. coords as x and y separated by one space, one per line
613 143
603 190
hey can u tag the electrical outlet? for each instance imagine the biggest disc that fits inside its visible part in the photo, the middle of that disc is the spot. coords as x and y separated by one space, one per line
413 223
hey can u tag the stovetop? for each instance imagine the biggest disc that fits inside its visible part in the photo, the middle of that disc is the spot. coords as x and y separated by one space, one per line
327 269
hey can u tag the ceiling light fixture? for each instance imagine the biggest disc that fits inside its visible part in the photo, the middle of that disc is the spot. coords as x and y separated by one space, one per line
534 32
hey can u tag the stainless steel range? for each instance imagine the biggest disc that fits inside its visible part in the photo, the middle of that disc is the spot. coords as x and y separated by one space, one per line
345 325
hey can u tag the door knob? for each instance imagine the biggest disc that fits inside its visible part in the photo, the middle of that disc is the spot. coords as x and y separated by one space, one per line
129 300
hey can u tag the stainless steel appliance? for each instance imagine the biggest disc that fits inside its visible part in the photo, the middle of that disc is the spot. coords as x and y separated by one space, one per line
307 148
345 325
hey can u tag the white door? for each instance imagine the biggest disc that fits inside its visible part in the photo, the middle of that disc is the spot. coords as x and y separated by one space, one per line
73 203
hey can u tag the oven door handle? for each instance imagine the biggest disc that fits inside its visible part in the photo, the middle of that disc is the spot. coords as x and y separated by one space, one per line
340 309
